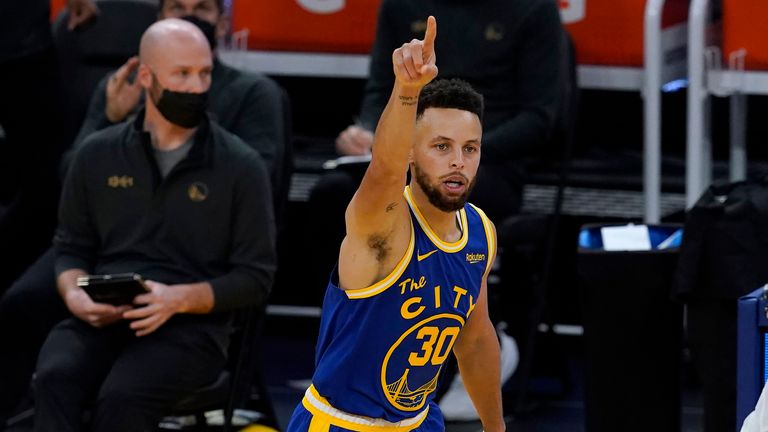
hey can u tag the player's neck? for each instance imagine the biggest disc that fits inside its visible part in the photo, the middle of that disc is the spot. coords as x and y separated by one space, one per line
441 222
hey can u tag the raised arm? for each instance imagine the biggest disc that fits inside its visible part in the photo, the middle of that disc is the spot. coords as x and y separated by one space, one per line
377 219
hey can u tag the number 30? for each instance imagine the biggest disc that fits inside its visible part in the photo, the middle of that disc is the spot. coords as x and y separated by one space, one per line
444 345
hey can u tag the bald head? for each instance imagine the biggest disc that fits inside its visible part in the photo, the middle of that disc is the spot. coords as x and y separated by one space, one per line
174 57
168 38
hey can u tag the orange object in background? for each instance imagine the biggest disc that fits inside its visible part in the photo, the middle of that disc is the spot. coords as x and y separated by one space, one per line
745 25
342 26
56 7
610 32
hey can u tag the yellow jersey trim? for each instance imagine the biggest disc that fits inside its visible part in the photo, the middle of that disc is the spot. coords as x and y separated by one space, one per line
490 237
444 246
325 412
388 281
318 424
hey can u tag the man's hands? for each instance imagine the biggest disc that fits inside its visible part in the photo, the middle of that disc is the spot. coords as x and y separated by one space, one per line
157 306
96 314
414 62
355 140
122 95
161 303
80 12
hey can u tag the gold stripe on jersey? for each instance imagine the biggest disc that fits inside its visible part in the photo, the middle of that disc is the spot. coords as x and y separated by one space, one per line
444 246
388 281
324 412
319 424
490 236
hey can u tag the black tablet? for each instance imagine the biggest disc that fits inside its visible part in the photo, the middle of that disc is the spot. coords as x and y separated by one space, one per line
115 289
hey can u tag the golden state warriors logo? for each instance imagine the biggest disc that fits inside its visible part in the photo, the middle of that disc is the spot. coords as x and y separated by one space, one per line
197 191
412 365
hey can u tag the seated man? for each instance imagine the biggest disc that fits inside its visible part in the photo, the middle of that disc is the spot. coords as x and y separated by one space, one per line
246 104
174 197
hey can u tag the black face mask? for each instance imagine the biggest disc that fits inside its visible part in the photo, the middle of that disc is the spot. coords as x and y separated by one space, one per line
182 109
208 29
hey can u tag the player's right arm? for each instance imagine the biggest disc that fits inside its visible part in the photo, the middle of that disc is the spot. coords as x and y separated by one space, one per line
377 218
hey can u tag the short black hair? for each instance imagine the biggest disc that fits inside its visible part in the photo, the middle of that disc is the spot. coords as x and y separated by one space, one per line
450 93
219 4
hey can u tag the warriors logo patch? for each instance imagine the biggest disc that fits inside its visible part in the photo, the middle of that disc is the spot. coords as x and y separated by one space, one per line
197 191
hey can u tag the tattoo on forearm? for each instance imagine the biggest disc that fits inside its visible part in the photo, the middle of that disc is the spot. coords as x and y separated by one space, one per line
408 100
390 207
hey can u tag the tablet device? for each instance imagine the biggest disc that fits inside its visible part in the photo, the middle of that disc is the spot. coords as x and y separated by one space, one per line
115 289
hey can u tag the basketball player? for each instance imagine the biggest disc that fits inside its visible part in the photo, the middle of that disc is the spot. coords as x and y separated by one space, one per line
411 279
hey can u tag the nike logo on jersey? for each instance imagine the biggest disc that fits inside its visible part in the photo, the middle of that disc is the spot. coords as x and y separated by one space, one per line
423 257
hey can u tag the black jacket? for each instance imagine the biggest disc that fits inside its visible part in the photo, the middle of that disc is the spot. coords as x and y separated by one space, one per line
210 219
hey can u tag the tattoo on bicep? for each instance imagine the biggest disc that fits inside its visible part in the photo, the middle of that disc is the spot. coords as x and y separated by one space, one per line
390 207
408 100
379 244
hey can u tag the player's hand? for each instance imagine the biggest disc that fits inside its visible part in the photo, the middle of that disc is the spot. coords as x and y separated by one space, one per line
354 140
414 62
122 95
80 12
159 304
96 314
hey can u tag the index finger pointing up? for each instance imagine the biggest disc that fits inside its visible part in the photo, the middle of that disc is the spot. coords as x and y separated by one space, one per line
429 36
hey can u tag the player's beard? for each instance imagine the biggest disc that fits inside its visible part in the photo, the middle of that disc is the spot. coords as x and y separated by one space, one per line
436 197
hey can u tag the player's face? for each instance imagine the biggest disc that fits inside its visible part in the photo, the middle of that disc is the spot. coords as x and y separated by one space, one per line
446 155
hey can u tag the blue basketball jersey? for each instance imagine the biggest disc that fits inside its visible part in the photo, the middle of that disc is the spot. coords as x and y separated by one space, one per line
381 348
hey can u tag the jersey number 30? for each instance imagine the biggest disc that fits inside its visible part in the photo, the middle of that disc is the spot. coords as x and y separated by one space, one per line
436 345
